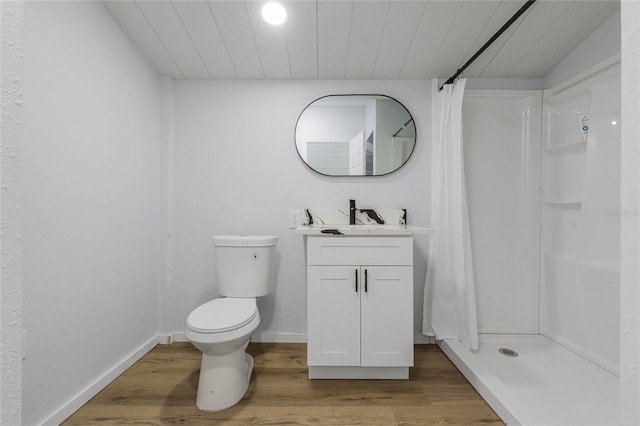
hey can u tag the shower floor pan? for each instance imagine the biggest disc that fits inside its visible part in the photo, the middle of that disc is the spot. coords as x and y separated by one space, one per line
545 384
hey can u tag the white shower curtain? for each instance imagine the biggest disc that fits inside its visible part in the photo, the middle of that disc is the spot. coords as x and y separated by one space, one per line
449 296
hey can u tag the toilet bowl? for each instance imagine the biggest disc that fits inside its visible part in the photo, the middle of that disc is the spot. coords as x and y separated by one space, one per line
221 328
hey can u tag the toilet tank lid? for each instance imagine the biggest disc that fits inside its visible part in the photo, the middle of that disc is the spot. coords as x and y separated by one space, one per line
245 240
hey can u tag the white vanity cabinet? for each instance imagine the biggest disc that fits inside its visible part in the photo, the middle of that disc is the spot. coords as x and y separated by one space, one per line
359 307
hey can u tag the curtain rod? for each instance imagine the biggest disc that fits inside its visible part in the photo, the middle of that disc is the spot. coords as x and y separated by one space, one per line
523 9
402 128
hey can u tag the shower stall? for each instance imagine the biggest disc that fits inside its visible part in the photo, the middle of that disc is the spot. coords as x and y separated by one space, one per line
543 181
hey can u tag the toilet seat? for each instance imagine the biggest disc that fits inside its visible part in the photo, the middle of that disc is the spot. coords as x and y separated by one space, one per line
222 315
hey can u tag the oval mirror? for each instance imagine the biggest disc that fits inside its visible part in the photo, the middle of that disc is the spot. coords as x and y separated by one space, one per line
355 135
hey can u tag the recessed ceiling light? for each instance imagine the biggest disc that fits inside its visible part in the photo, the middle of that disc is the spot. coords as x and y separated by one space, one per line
274 13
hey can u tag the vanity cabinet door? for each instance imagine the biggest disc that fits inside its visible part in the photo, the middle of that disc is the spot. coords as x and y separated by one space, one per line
368 322
387 316
333 316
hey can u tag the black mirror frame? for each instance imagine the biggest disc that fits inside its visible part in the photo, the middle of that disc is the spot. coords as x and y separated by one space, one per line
353 95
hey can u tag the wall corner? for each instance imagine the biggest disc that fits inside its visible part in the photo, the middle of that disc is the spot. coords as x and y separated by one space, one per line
11 103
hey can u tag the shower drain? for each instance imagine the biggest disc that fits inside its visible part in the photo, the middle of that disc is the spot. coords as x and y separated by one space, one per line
508 352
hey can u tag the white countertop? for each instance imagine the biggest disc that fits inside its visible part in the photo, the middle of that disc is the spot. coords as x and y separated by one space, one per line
364 230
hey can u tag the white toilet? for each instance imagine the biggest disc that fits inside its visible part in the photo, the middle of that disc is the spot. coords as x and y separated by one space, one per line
221 328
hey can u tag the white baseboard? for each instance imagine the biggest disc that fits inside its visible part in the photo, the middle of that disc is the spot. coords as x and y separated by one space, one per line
92 390
178 337
166 339
421 339
279 337
256 337
418 338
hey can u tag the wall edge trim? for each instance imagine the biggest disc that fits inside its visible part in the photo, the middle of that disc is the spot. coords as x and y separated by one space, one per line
75 403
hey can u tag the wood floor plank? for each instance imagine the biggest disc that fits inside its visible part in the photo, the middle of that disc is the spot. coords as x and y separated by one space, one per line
161 389
242 415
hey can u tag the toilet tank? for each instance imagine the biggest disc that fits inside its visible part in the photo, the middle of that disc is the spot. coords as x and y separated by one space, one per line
244 264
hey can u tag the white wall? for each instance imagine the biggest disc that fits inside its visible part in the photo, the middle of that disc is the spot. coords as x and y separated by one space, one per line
237 171
91 208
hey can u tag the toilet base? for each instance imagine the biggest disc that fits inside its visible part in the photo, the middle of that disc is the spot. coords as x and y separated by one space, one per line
223 380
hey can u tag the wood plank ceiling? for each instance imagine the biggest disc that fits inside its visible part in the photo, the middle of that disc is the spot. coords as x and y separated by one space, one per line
355 39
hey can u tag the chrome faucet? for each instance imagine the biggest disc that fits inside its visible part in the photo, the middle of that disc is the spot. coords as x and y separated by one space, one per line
352 212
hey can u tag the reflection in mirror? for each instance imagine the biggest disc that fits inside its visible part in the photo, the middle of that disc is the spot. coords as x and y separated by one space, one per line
355 135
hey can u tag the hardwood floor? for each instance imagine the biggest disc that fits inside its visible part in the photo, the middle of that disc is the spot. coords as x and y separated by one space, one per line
161 389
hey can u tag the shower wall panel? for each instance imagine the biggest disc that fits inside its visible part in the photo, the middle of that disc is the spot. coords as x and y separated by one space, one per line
580 283
502 144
